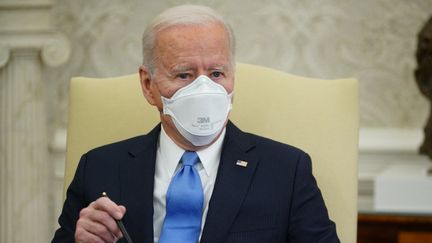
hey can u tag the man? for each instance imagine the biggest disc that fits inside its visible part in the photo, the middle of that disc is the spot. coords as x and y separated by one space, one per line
195 177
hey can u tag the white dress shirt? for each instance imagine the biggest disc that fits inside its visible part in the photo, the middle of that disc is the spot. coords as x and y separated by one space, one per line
168 156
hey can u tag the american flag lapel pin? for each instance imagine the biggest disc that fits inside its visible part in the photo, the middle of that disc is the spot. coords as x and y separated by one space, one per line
242 163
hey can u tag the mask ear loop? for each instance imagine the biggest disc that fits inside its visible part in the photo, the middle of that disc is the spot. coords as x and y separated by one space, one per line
231 98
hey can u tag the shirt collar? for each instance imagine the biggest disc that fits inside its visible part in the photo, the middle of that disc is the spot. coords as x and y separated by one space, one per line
210 156
172 153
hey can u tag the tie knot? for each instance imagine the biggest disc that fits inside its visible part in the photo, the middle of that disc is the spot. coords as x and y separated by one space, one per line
190 158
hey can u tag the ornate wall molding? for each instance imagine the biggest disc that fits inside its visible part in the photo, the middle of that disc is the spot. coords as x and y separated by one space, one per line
26 15
4 55
54 47
28 44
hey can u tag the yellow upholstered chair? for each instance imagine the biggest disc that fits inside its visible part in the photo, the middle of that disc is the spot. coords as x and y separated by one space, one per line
319 116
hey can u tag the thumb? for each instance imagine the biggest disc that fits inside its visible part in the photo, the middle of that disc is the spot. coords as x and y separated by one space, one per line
122 209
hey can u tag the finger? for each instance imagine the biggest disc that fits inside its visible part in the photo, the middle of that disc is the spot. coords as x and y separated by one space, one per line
89 237
122 209
84 236
105 219
105 204
97 229
102 217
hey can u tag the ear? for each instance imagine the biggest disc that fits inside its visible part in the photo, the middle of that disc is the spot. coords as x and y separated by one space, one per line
147 85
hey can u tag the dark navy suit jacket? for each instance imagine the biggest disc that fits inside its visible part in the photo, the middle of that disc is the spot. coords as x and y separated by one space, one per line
274 199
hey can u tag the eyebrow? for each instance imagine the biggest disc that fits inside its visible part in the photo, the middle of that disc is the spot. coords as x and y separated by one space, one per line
218 67
185 68
178 69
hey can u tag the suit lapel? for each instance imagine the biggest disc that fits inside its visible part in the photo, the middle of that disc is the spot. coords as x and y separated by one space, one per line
231 186
137 183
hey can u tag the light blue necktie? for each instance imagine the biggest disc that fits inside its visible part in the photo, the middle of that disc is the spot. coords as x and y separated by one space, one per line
184 204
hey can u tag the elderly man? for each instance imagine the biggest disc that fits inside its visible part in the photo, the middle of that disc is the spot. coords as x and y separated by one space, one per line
195 177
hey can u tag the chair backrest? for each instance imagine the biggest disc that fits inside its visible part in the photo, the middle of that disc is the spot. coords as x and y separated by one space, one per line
319 116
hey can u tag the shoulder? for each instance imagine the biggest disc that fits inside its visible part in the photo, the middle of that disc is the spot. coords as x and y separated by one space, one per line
279 161
270 145
106 159
127 147
280 155
263 145
118 146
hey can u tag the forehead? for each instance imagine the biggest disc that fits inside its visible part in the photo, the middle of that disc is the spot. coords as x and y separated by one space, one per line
183 41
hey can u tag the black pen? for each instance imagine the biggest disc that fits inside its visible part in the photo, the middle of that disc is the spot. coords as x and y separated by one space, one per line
120 225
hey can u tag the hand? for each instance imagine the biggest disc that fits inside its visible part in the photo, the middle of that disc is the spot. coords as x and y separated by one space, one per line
96 222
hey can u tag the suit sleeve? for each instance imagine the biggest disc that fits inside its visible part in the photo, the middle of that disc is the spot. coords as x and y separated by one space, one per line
309 220
72 206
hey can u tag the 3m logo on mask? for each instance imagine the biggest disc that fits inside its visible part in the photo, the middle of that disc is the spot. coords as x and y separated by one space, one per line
203 120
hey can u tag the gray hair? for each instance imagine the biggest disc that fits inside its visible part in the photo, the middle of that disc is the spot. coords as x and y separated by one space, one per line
181 15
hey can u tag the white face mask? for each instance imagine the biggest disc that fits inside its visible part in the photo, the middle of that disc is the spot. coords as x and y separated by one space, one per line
199 110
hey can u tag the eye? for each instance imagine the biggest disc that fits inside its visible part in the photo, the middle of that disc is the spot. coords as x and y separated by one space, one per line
183 75
216 74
